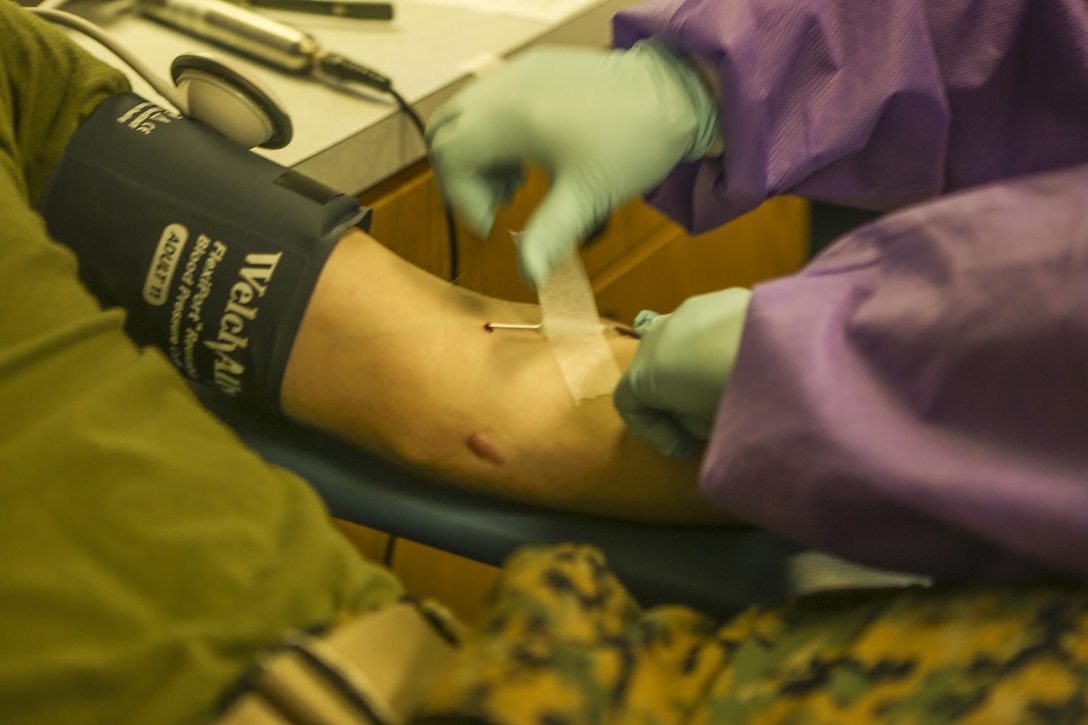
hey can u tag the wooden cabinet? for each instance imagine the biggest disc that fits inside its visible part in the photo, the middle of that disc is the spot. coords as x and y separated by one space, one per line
460 584
642 260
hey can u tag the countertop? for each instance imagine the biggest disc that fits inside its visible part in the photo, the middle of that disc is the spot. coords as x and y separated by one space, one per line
350 138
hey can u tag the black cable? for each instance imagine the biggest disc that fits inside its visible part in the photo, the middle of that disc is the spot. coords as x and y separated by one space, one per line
390 551
344 68
451 224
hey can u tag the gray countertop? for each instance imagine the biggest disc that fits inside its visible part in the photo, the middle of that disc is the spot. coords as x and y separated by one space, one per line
350 138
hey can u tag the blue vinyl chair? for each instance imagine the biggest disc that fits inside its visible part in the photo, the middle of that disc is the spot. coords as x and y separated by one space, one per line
718 570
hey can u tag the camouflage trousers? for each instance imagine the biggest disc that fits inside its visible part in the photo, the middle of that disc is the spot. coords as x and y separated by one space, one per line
564 643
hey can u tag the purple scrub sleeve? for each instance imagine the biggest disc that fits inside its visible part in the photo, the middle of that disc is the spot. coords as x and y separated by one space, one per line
917 398
872 104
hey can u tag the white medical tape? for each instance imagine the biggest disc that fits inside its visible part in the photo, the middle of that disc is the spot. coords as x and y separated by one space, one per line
573 327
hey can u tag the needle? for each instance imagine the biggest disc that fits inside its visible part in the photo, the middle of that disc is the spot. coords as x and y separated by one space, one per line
492 326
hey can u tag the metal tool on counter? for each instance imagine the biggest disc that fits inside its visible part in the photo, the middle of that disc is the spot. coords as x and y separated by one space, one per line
277 44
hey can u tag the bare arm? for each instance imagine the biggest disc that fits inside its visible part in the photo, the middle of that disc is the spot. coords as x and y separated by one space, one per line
398 362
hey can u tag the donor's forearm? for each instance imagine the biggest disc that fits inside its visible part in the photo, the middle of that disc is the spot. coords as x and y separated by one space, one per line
398 361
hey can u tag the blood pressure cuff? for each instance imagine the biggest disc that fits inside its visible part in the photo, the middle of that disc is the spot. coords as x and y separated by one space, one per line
212 250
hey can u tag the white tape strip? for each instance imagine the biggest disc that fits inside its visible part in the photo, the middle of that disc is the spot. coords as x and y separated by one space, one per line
573 327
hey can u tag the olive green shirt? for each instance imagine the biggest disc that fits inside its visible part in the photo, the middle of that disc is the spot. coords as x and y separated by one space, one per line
146 556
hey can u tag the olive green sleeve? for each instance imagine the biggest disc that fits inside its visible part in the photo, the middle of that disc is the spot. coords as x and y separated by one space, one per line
148 556
48 85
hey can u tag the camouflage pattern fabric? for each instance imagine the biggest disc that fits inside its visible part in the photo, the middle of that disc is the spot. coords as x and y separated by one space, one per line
564 643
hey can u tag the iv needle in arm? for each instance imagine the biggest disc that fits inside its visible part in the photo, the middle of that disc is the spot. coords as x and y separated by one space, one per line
492 326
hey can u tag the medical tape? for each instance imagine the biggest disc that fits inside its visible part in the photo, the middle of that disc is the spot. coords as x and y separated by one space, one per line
573 328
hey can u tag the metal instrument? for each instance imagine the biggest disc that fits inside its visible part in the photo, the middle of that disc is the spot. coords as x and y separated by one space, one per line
277 44
240 29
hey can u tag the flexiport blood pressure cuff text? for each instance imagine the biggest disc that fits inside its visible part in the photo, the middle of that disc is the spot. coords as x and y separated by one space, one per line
212 250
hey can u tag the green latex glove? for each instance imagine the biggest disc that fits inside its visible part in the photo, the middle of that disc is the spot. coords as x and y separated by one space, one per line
669 395
606 125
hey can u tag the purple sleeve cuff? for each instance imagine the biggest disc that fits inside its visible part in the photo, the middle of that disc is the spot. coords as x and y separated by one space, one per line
915 398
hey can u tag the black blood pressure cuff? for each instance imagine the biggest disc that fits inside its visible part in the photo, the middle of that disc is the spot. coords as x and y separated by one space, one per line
212 250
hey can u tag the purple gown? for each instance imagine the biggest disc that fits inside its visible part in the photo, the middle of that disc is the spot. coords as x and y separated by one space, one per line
917 397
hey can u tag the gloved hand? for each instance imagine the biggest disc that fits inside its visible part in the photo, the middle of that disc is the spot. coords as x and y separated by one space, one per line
669 395
606 125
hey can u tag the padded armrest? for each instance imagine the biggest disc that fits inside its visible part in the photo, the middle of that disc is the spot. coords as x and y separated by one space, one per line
712 568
